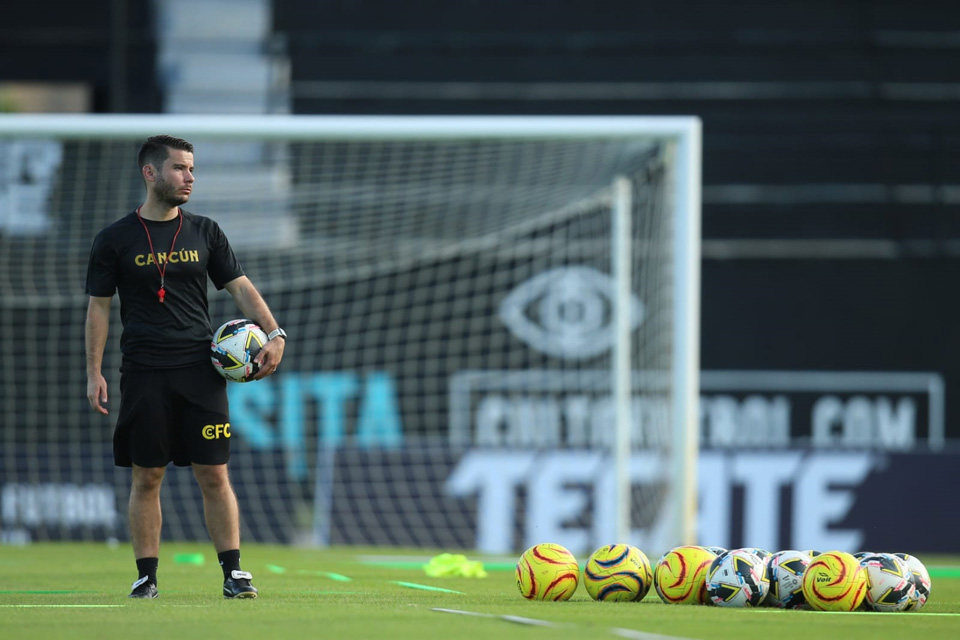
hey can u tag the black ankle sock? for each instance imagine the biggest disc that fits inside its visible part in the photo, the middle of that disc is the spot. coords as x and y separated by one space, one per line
229 561
147 567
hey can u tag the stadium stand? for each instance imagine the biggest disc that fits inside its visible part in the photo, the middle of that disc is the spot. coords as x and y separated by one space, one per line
821 120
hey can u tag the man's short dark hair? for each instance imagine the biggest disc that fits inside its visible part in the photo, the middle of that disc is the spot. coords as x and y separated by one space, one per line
156 150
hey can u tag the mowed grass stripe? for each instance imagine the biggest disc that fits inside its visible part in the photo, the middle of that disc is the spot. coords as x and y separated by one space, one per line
54 591
300 602
59 606
630 634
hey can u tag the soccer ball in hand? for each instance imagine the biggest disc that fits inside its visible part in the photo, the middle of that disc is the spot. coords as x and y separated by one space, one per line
547 571
785 570
738 579
233 348
921 581
835 581
681 575
890 585
618 572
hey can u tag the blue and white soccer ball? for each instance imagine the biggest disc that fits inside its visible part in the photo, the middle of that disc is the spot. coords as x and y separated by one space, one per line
738 579
785 570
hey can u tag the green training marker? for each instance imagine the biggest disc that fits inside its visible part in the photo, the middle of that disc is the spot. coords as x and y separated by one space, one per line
189 558
272 568
326 574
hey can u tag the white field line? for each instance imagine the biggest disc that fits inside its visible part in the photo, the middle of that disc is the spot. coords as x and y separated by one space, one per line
630 634
849 613
516 619
633 634
60 606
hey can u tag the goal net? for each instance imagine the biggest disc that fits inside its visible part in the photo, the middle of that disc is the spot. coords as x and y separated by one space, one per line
493 327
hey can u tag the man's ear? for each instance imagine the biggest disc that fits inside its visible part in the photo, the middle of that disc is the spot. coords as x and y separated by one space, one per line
148 172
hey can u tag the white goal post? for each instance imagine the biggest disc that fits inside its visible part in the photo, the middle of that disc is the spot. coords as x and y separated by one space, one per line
494 326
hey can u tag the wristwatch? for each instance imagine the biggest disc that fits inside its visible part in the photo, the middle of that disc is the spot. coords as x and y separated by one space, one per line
277 333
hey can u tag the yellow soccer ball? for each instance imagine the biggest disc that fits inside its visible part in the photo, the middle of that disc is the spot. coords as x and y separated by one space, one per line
618 573
681 575
547 571
835 581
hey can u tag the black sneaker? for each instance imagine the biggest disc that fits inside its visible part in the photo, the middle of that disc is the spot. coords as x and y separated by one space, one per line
143 588
238 585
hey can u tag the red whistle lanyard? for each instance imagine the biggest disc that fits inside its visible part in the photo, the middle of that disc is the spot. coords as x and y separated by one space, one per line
161 292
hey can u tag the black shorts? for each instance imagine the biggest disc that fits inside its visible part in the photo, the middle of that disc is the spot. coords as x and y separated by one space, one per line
172 415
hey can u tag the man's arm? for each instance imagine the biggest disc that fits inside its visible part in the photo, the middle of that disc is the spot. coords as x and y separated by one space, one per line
97 326
253 306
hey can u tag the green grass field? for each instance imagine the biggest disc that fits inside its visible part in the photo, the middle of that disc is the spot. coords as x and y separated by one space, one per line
79 591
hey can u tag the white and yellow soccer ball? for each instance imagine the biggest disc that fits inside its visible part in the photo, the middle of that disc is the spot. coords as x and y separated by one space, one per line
785 570
921 581
547 571
763 554
834 581
738 579
618 573
234 346
890 585
681 575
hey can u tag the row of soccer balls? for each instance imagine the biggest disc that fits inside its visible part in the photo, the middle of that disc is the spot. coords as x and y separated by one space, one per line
831 581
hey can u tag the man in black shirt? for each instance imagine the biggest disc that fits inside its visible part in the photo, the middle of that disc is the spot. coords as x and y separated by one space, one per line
158 259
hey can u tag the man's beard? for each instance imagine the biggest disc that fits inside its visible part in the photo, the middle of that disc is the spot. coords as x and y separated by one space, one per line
167 194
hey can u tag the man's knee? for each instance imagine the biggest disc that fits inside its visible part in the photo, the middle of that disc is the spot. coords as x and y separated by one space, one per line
147 479
212 477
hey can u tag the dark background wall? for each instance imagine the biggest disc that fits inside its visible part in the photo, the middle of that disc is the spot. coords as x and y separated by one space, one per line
815 92
108 46
831 142
830 209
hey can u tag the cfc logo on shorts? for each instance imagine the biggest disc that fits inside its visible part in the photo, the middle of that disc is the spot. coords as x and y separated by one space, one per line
216 431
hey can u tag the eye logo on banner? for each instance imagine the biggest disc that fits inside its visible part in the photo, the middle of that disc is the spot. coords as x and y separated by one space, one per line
566 312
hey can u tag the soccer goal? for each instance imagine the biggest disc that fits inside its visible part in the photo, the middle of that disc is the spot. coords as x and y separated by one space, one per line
493 321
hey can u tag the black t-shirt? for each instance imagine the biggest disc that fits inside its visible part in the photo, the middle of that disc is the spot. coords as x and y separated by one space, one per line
177 332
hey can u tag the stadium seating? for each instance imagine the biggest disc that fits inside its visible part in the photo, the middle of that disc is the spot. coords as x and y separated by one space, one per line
838 112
